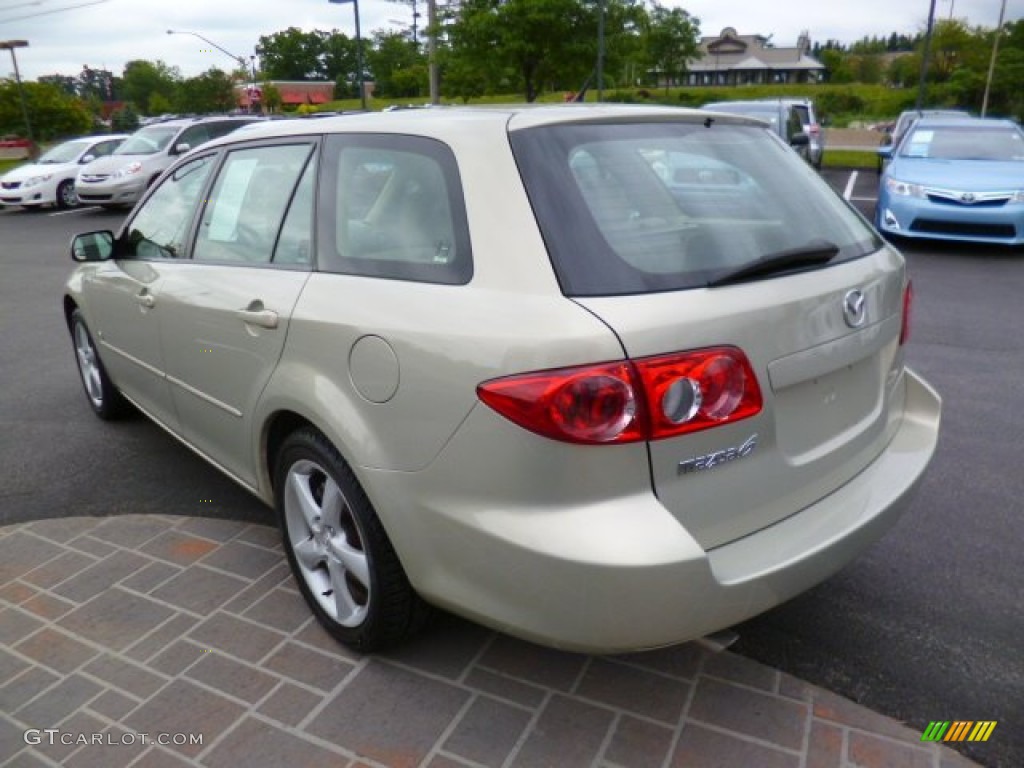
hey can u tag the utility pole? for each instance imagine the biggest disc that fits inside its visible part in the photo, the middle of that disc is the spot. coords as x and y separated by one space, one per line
600 49
991 62
924 56
359 51
10 45
435 75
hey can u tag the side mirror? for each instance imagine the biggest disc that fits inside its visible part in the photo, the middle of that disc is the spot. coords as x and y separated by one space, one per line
885 152
86 159
182 148
93 246
800 140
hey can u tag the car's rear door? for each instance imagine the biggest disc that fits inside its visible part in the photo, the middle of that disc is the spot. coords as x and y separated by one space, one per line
227 311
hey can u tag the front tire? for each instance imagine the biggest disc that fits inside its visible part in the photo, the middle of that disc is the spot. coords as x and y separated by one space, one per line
104 399
340 555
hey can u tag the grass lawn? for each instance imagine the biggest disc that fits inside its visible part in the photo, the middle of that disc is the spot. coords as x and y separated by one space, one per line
851 158
6 165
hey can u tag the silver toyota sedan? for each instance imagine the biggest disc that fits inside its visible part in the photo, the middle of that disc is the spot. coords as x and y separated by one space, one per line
606 378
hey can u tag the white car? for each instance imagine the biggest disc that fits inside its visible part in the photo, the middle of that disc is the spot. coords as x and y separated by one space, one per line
51 179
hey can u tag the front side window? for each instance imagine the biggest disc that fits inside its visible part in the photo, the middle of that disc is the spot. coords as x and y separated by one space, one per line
161 226
645 207
392 207
247 204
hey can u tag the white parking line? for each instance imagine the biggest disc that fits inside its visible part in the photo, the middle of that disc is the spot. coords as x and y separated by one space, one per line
848 192
75 210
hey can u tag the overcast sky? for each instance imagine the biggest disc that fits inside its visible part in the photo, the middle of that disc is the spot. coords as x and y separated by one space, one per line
107 33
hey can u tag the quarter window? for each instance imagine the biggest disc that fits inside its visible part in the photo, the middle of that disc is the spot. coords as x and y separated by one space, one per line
244 214
160 228
392 207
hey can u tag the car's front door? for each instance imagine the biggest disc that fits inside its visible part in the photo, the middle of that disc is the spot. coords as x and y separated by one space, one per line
226 312
124 296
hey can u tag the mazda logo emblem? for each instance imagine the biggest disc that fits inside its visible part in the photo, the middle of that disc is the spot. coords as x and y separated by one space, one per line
855 310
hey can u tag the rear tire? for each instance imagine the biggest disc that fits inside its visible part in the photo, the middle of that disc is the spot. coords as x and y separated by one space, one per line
339 553
103 397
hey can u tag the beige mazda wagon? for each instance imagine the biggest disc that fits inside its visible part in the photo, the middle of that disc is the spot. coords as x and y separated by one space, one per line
605 378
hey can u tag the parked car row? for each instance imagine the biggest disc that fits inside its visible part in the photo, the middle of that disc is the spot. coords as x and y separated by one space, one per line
954 177
604 377
109 170
793 120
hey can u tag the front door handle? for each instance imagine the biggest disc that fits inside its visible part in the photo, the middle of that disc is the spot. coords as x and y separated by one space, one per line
264 318
146 300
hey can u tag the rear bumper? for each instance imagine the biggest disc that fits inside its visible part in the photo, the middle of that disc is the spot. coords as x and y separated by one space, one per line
618 574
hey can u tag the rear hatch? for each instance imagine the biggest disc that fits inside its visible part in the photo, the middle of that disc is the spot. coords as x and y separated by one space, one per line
781 269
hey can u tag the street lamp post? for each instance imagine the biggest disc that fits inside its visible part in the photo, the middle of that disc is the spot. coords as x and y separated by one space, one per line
359 50
10 45
239 60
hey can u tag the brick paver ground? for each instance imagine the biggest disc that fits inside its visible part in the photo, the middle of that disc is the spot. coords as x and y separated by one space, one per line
119 633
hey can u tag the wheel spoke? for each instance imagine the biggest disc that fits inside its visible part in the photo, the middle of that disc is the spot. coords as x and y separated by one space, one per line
353 560
332 504
309 554
347 609
95 385
302 495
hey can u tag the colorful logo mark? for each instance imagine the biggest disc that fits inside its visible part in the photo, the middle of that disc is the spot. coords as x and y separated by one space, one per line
959 730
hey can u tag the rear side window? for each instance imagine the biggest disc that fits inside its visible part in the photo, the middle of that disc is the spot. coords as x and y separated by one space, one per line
645 207
392 206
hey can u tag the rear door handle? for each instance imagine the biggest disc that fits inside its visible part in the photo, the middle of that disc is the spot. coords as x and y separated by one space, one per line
264 318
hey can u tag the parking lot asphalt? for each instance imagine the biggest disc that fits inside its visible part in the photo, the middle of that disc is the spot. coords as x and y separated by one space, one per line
925 626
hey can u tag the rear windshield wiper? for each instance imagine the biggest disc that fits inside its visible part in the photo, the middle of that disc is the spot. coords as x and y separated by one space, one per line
810 254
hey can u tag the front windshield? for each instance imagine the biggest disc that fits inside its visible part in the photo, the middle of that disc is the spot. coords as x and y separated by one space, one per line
148 141
63 153
1002 143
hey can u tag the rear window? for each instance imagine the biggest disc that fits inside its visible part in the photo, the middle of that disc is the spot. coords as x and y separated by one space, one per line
646 207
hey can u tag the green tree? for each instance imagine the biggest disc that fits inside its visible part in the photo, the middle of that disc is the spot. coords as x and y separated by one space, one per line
271 97
293 54
52 112
125 120
529 44
142 79
211 91
671 39
159 105
398 68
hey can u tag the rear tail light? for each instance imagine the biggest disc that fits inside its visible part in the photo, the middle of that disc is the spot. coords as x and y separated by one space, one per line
814 129
648 399
908 301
